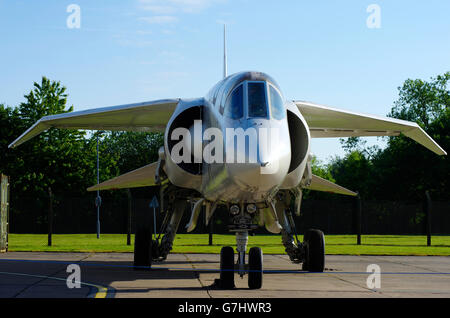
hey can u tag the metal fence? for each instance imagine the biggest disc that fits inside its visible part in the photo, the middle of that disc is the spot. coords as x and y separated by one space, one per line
78 215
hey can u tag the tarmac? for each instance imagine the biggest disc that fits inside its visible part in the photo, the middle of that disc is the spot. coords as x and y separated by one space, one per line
46 275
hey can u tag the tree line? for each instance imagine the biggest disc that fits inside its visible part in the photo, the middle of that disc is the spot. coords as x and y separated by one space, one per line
65 160
404 169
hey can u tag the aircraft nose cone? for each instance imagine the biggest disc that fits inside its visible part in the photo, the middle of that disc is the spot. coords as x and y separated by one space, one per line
259 178
259 166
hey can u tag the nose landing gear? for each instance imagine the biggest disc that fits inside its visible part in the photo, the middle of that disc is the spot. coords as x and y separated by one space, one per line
254 268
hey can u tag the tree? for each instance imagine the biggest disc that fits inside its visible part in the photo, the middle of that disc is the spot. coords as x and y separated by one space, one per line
133 149
322 170
405 161
423 102
11 127
352 144
354 171
404 169
64 160
47 98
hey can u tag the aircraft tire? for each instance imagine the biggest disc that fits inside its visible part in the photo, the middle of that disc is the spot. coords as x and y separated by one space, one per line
305 246
315 251
255 266
143 248
227 267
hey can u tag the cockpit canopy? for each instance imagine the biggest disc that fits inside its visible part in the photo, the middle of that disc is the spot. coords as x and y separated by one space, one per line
254 99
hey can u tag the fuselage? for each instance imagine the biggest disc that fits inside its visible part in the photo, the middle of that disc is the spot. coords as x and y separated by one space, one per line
241 143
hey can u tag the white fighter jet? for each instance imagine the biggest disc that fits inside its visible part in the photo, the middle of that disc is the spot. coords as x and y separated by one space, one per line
259 178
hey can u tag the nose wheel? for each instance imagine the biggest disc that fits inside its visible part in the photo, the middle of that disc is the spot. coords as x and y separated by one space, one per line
227 267
255 268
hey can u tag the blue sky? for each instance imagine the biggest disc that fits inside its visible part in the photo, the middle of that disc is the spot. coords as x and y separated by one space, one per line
139 50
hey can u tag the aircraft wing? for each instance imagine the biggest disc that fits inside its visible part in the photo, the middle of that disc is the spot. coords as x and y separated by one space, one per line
148 116
142 177
324 121
320 184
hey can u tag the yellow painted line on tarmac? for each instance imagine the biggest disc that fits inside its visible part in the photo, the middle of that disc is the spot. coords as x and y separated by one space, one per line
102 292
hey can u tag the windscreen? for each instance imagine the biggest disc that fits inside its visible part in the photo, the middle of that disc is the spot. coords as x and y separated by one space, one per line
234 106
276 104
257 103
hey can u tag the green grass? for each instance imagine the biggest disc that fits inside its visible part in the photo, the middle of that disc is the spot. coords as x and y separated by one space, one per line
198 243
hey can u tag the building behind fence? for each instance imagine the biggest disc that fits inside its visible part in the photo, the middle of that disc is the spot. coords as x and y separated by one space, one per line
78 215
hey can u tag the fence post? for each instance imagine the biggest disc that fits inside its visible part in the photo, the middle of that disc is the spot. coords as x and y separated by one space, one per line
358 219
428 216
4 213
211 222
8 199
129 218
50 217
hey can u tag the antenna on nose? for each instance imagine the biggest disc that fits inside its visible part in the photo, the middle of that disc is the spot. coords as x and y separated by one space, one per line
224 52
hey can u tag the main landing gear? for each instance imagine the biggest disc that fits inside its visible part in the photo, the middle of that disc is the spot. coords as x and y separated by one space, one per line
314 251
310 252
148 247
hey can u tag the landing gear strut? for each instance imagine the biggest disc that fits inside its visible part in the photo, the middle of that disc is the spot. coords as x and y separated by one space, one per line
242 223
163 246
310 252
148 249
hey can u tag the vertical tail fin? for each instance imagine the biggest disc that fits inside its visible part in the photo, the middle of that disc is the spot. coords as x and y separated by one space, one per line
225 71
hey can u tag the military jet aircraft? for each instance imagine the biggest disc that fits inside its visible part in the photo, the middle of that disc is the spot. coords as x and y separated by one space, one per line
261 188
